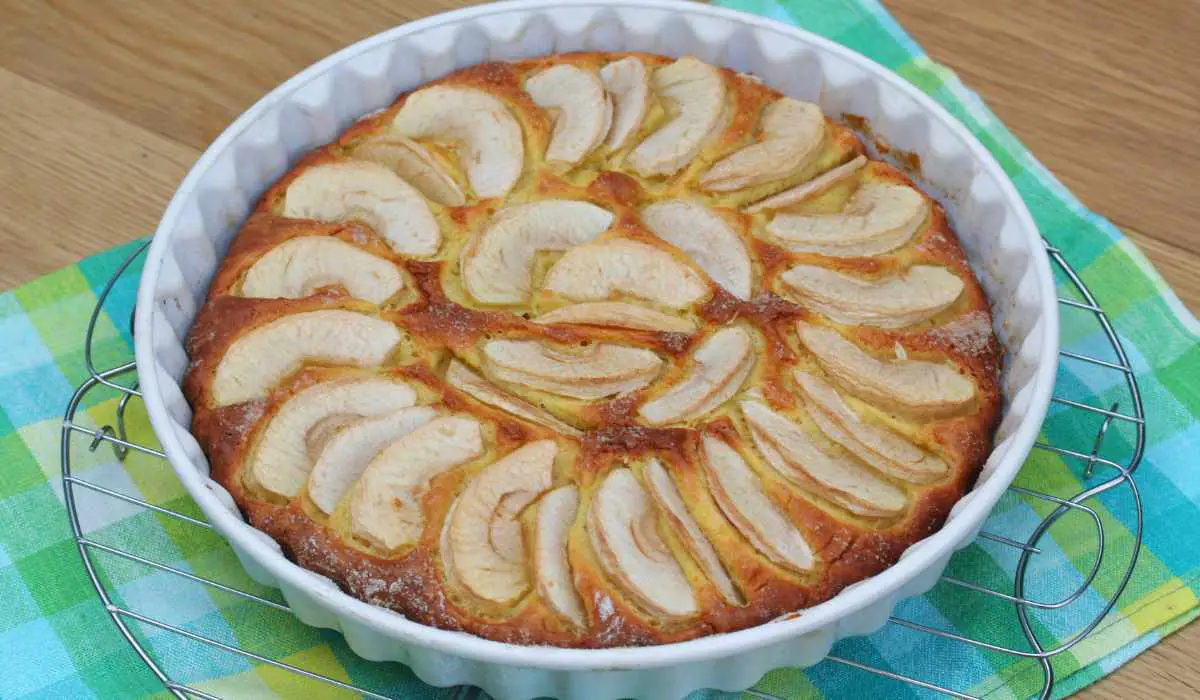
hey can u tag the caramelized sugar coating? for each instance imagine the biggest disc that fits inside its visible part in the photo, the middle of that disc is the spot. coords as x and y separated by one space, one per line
595 350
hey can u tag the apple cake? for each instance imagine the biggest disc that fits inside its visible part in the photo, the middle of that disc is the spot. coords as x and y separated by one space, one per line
595 350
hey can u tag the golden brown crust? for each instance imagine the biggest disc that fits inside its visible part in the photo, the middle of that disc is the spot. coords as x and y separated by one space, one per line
442 321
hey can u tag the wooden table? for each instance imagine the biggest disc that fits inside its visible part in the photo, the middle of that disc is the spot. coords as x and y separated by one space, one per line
105 103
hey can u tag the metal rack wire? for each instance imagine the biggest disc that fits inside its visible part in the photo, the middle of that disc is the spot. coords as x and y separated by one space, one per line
1125 415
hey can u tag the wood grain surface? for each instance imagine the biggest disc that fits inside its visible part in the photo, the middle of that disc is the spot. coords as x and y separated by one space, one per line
105 103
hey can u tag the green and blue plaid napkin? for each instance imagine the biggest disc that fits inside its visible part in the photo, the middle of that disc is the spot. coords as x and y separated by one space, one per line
58 641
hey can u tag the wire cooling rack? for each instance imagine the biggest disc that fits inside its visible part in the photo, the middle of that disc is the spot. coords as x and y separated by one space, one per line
1080 310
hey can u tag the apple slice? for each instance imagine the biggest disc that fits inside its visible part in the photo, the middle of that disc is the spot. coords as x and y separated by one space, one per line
462 378
719 367
914 387
551 568
617 314
706 239
368 192
601 270
792 452
282 458
413 162
580 109
877 446
917 295
497 262
628 86
485 539
790 136
488 138
667 497
385 504
591 372
266 354
300 266
347 453
740 496
695 95
879 218
623 528
815 186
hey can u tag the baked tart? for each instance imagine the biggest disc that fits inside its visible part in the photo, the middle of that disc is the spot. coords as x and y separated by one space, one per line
595 350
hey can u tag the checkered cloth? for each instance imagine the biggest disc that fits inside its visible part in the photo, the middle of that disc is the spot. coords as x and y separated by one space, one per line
59 643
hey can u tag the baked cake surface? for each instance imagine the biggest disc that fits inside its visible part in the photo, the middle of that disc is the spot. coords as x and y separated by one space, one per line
595 350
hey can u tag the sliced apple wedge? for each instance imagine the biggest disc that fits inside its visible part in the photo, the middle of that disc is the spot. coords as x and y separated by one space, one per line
413 162
917 295
597 271
914 387
608 114
706 239
367 192
804 190
628 86
282 458
259 359
719 367
622 525
385 503
485 539
877 446
462 378
300 266
347 453
740 496
497 261
617 314
486 135
879 218
694 93
551 568
792 452
590 372
580 110
667 497
790 136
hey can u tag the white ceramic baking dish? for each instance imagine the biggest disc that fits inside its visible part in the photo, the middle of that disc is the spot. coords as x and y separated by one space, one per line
311 108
